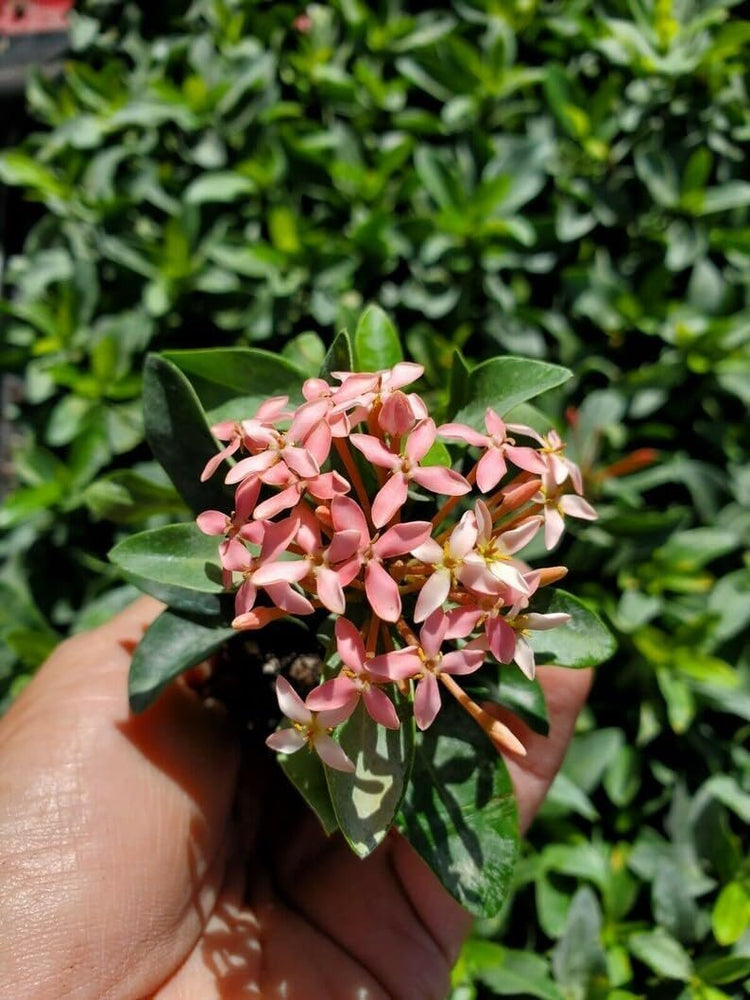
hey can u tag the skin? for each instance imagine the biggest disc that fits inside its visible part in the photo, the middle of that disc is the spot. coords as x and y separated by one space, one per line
144 858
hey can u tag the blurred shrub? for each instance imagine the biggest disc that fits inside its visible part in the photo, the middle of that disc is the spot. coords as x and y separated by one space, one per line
562 180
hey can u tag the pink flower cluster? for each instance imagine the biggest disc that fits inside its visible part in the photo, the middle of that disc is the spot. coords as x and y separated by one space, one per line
322 519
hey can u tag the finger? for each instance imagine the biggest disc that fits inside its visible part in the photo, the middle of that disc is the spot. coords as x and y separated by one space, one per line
112 829
565 691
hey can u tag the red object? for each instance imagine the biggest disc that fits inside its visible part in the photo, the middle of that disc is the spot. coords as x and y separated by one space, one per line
33 17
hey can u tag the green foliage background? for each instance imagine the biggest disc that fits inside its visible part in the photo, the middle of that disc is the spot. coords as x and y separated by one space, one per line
559 180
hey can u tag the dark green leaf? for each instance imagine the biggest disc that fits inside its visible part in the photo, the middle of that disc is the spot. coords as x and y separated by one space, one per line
367 801
179 436
662 954
460 814
231 383
171 644
340 357
502 383
177 555
578 961
306 772
376 342
584 641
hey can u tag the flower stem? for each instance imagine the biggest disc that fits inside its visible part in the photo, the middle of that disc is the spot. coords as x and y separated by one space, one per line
351 467
499 733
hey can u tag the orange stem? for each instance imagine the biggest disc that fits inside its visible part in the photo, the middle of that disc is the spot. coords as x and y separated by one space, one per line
499 733
351 467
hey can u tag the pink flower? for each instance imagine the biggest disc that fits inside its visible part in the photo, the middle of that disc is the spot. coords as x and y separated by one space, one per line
425 663
358 679
380 587
556 507
508 637
549 461
490 565
270 411
492 465
311 729
404 468
447 561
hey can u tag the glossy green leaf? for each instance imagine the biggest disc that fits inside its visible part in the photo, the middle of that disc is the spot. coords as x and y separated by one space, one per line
662 954
502 383
340 356
376 342
179 436
584 641
727 969
460 813
730 917
177 555
231 383
170 645
366 802
306 772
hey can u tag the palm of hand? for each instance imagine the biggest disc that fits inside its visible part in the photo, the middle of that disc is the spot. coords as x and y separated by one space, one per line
129 868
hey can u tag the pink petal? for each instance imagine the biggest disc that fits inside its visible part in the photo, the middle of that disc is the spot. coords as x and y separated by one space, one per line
515 539
462 622
290 703
271 409
494 424
402 374
287 599
526 431
212 522
433 632
284 500
380 708
281 572
399 665
402 538
524 657
577 507
462 661
213 463
559 468
225 430
509 575
251 466
426 701
553 526
420 440
502 639
375 451
333 694
234 556
350 646
348 515
335 716
318 442
244 599
462 432
484 520
301 462
432 595
286 741
330 591
382 592
305 419
490 470
331 754
463 537
429 552
441 480
543 622
526 458
396 417
390 498
327 486
343 546
257 618
277 537
245 497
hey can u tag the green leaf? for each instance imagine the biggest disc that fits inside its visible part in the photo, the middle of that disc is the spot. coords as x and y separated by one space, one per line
460 814
731 913
502 383
584 641
459 393
508 972
367 801
179 436
232 382
376 342
171 644
19 169
727 969
578 961
512 689
306 772
662 954
340 357
177 555
223 186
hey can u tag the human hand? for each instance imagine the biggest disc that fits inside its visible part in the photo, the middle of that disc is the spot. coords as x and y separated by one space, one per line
134 863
